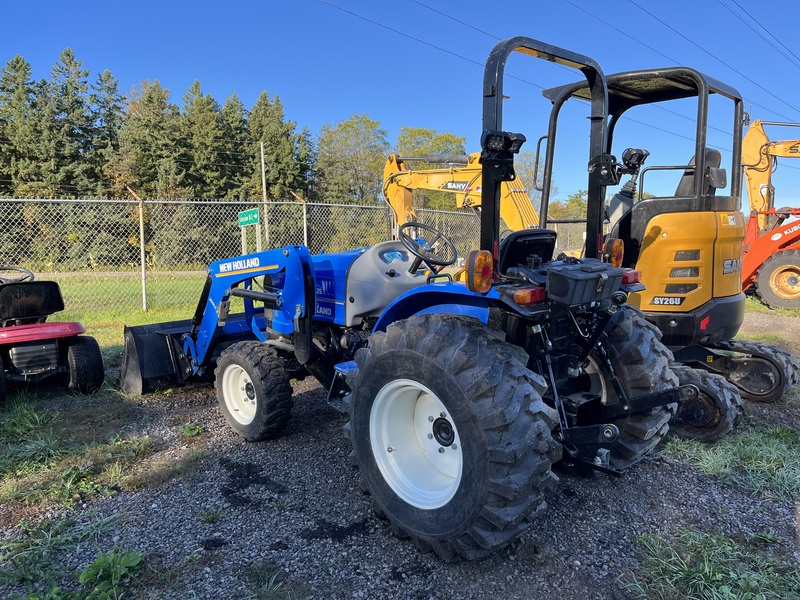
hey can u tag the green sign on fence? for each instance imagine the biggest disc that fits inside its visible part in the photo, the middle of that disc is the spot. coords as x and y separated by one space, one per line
248 217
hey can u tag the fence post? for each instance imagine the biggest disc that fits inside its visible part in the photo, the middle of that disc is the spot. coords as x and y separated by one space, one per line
142 254
141 246
302 201
264 191
305 225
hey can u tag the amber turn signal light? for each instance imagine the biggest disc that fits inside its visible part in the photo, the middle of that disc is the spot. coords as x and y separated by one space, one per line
614 249
479 271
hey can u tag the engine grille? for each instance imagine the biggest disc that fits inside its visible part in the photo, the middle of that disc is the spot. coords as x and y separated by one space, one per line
34 357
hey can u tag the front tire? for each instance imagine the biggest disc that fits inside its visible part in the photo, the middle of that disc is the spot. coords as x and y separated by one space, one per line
85 364
253 390
451 435
713 414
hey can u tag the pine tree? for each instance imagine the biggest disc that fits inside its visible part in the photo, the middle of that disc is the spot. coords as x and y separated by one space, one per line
150 144
108 113
200 127
18 122
286 154
234 144
66 128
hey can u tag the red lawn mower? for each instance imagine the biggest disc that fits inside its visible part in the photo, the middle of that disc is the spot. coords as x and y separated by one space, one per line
32 350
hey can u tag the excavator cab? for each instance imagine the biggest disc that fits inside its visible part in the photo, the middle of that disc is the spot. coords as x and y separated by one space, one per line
687 243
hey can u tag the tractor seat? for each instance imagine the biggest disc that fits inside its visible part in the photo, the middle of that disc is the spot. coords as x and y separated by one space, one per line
29 302
516 247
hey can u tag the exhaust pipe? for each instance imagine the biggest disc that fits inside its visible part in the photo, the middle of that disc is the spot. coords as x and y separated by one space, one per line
150 357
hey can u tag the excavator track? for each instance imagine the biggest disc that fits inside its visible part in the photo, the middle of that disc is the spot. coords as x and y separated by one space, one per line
762 372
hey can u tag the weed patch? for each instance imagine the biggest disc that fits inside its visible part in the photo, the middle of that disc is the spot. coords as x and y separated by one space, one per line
692 564
759 459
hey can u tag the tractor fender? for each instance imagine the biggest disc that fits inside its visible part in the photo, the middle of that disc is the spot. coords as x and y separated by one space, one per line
439 298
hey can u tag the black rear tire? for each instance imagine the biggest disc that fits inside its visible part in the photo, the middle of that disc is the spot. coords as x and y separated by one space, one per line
253 390
84 364
642 364
451 435
713 414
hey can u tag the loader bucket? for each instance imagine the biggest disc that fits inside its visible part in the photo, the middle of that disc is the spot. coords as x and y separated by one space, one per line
149 360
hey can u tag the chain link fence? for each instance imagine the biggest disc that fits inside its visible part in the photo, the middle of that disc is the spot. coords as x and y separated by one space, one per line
121 256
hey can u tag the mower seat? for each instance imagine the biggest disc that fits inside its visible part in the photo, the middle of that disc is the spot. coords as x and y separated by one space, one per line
29 301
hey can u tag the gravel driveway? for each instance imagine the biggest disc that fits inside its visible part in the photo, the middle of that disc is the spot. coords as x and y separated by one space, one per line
294 504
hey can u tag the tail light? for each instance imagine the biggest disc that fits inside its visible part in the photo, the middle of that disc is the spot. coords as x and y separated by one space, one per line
530 295
631 276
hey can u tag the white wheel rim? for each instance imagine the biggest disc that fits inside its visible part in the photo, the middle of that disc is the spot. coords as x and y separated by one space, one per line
597 383
415 444
239 394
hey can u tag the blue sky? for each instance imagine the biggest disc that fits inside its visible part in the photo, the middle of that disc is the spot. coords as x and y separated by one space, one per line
420 63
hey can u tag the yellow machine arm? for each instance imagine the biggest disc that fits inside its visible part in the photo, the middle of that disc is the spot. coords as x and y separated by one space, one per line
758 160
462 177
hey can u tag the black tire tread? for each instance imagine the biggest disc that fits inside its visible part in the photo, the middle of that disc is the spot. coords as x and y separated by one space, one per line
506 399
727 401
266 368
642 363
85 364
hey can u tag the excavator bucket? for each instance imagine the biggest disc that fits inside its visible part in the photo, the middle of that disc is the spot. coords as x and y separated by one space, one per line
150 357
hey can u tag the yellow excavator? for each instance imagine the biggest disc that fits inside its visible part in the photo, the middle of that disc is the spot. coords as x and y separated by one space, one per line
771 263
688 246
459 175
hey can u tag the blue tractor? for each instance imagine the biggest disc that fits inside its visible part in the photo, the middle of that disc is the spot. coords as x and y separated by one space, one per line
461 395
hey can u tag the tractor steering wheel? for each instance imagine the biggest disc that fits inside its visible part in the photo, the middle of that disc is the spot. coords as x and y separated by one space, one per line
440 252
26 275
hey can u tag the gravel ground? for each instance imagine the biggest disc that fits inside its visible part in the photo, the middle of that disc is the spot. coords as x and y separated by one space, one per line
294 505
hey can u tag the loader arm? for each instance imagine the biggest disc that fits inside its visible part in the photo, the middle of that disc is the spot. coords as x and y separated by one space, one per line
275 278
462 178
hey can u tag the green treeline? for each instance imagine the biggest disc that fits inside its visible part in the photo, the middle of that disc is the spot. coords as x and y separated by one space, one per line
67 137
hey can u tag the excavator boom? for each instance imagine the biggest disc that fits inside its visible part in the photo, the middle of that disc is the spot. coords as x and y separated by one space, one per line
771 260
758 160
460 175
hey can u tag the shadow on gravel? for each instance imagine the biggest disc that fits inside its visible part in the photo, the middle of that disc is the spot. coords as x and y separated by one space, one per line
337 533
242 476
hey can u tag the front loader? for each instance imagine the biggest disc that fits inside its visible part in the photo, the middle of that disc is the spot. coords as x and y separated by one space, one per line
688 246
460 396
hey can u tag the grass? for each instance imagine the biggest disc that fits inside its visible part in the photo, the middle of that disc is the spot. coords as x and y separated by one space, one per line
31 557
760 459
693 564
753 304
269 582
61 455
